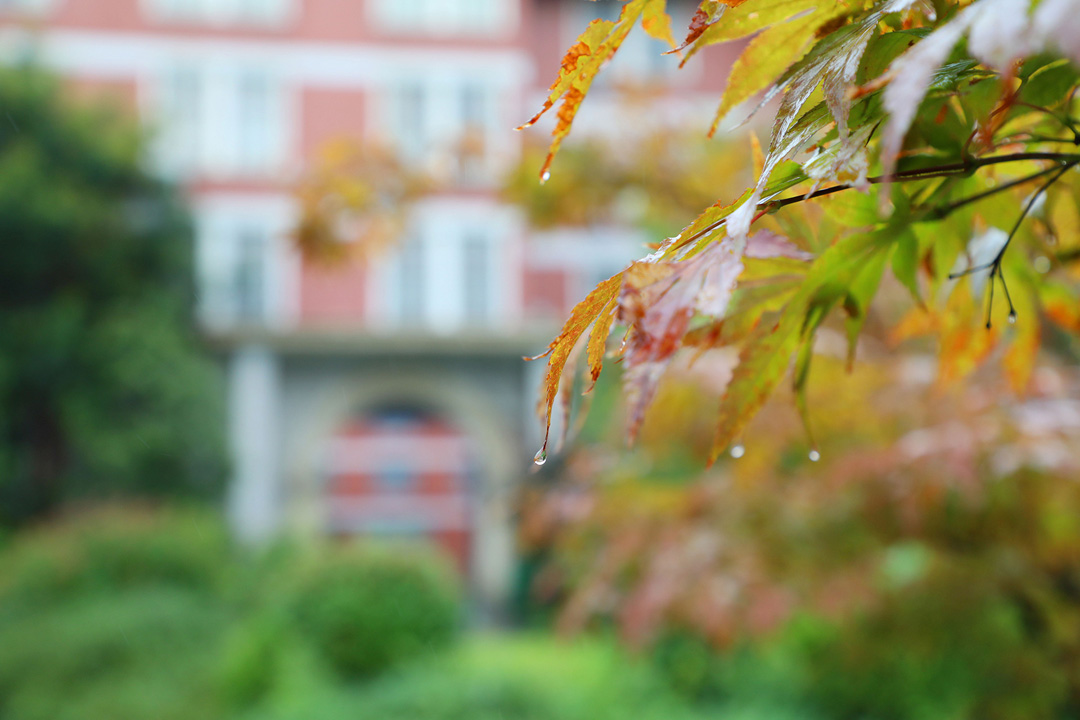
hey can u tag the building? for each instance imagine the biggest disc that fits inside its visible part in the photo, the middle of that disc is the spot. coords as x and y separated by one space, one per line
386 398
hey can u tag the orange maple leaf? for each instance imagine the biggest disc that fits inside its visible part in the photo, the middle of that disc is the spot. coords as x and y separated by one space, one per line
597 307
579 67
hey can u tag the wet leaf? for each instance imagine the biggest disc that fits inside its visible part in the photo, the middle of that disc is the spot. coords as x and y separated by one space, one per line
600 41
765 58
857 302
585 313
767 354
905 261
657 303
707 13
745 19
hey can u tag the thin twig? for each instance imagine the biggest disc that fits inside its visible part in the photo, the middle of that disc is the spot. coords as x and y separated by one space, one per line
995 265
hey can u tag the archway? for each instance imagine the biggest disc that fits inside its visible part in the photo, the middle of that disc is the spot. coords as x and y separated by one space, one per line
403 471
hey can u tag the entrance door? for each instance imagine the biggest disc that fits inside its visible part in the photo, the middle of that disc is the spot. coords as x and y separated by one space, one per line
402 473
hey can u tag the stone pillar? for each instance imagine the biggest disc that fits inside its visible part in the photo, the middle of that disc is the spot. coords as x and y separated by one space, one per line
493 550
254 498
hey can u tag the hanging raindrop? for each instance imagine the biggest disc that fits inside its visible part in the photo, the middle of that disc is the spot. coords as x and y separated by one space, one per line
545 177
1012 317
814 456
540 457
737 451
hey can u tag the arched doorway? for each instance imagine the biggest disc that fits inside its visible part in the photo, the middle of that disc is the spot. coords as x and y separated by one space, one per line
400 471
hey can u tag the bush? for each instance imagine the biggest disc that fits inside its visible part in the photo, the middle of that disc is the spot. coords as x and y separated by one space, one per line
763 680
367 609
499 678
142 654
110 549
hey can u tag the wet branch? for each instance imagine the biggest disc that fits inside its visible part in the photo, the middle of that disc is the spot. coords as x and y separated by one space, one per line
965 167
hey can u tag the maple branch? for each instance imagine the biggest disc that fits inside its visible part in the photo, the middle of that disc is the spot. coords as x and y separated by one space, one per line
944 211
935 171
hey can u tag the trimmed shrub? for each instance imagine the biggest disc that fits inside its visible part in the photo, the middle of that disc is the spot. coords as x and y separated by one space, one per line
110 549
498 677
365 609
141 654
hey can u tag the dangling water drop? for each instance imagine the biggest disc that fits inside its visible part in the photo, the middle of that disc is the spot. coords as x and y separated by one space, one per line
814 456
540 457
1012 317
545 177
737 451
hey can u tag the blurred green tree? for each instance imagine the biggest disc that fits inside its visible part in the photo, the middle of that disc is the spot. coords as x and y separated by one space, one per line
103 388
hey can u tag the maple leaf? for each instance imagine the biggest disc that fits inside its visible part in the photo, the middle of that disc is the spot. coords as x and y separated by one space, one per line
1061 305
832 64
766 356
596 307
596 45
706 15
1000 32
354 203
658 300
743 20
963 342
842 70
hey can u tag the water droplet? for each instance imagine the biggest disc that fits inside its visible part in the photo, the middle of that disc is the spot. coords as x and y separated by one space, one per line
545 177
1012 317
814 456
1042 264
540 457
737 451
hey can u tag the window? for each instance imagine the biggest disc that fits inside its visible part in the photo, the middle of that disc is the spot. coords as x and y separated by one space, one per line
257 13
475 110
396 477
641 57
482 16
477 123
211 120
249 292
257 113
468 18
411 281
26 6
477 276
408 120
262 12
605 10
180 112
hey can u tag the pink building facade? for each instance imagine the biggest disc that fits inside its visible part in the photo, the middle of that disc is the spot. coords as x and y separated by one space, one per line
420 347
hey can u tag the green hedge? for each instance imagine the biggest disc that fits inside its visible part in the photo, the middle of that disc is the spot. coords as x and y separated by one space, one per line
498 677
113 549
148 653
367 609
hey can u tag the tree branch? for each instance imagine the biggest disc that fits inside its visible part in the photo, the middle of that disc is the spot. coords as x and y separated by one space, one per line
913 175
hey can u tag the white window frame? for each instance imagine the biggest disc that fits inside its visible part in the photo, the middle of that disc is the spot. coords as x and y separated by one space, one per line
447 18
267 14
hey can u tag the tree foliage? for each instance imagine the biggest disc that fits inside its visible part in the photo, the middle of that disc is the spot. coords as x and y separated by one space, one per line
103 388
930 140
925 567
354 203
